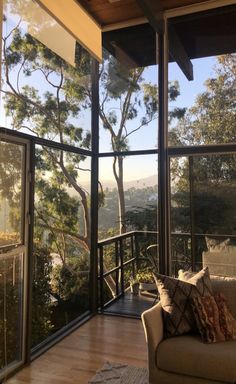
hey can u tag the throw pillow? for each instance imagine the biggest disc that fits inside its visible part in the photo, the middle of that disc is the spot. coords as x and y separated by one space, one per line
175 298
216 245
227 286
201 279
213 318
185 275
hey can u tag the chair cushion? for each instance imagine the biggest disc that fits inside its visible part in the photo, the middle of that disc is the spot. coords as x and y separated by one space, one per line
216 245
221 263
175 298
188 355
213 318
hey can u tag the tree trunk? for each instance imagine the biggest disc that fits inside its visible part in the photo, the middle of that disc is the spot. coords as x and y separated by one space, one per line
121 196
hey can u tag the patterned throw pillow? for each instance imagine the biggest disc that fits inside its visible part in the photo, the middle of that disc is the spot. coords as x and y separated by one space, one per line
175 298
201 279
213 318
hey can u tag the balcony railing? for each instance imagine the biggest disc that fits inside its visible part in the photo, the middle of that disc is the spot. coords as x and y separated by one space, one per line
128 254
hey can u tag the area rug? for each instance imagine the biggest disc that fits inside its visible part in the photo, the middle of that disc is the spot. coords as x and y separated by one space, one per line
116 373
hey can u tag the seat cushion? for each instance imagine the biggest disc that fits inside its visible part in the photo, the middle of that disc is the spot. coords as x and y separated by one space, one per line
188 355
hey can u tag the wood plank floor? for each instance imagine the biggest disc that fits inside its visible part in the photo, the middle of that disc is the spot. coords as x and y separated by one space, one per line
77 357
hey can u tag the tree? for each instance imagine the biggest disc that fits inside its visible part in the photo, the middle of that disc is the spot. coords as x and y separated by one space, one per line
211 120
50 112
127 97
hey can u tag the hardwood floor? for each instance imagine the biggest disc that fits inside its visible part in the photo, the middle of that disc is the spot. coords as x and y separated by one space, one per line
77 357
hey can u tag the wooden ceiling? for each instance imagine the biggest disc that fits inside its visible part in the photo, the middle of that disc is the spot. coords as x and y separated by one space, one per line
201 34
107 12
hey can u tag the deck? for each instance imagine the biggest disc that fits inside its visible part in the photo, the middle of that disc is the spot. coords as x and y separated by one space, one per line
77 357
131 305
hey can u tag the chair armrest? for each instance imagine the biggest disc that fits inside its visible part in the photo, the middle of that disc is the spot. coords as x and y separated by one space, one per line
153 328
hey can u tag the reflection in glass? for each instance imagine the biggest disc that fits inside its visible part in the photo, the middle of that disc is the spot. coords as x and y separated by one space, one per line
42 94
11 194
61 241
11 307
202 205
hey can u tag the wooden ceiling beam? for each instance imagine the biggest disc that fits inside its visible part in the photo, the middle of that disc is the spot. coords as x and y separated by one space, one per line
179 54
155 14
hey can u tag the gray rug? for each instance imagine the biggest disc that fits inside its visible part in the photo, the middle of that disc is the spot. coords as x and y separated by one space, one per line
116 373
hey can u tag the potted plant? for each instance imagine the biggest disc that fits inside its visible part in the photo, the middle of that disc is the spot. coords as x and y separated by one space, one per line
134 286
146 281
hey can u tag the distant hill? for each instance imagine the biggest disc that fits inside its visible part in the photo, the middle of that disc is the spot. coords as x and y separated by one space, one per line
145 182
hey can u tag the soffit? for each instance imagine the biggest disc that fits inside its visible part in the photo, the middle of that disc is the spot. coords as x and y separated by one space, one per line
208 34
107 12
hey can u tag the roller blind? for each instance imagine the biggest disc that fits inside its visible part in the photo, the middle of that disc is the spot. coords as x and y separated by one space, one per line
77 22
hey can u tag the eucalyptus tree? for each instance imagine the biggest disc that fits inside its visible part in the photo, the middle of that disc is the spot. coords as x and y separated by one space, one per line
128 104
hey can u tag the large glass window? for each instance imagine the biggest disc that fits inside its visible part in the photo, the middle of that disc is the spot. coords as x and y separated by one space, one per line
128 105
61 241
46 77
203 209
129 203
202 111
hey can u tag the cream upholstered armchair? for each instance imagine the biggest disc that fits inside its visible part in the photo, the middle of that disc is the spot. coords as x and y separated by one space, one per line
186 359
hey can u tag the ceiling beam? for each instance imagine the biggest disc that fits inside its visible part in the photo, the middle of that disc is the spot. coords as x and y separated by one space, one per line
154 12
179 54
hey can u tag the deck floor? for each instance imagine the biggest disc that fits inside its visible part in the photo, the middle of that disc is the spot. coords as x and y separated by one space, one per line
77 357
131 305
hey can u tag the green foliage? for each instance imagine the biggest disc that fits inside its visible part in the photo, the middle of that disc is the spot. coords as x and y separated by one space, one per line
11 165
70 281
211 120
42 326
145 276
143 218
10 302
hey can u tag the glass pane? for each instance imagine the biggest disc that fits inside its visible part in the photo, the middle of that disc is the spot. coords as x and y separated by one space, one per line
202 111
129 204
133 196
11 193
11 308
180 214
203 210
128 105
46 88
61 241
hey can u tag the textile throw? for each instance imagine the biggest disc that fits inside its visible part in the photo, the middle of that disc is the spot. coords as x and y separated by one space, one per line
117 373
